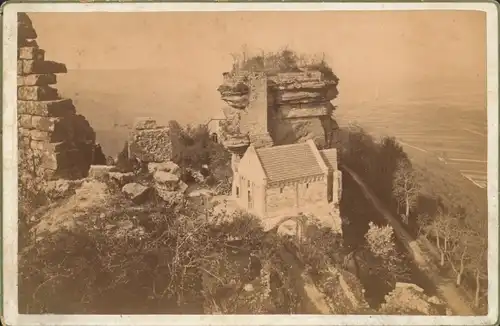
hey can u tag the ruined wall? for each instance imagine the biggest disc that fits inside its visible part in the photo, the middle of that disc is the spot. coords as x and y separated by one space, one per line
149 142
54 141
246 114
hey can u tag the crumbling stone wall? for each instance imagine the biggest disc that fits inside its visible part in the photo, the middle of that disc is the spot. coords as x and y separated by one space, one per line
150 142
246 114
56 141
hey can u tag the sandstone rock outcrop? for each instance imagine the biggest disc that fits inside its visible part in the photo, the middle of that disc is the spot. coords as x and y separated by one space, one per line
276 109
58 141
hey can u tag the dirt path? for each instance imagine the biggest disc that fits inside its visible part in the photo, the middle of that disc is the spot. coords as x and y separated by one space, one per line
446 288
313 301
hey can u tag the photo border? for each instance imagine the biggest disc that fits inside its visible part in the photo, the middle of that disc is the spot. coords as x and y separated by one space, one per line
10 187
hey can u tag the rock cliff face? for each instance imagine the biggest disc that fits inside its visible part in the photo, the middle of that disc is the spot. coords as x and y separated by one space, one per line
277 109
58 141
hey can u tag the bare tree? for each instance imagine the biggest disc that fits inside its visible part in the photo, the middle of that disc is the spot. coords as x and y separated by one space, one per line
405 187
478 263
460 254
444 230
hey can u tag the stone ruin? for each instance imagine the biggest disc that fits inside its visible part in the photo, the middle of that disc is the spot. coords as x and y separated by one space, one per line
149 142
277 109
59 142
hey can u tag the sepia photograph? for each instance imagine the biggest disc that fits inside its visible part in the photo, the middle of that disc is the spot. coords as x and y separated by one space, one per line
336 165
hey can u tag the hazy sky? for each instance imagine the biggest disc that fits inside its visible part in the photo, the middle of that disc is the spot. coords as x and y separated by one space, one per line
383 59
389 45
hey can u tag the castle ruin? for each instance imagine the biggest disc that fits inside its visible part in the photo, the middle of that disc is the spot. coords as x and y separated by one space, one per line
57 141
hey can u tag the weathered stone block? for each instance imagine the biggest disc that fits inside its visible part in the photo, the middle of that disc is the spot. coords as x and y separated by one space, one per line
36 80
37 93
166 180
152 145
58 128
55 108
50 147
121 178
37 135
136 192
164 166
31 53
100 171
58 161
41 67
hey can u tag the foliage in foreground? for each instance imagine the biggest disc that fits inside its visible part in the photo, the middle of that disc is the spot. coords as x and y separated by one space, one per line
193 149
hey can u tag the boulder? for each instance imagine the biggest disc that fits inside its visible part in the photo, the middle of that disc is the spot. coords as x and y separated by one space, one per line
166 180
136 192
168 166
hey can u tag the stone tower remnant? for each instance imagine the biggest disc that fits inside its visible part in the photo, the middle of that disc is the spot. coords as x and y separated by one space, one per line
58 141
267 109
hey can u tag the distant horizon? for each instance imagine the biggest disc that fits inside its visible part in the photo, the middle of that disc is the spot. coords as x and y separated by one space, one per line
394 66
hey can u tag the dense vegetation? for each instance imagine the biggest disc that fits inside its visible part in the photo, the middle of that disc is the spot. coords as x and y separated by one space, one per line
433 208
193 149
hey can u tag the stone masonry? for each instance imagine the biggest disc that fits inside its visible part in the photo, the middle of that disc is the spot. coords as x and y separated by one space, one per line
150 142
58 141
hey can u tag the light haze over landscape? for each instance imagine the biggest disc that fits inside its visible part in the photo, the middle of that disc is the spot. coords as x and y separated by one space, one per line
420 76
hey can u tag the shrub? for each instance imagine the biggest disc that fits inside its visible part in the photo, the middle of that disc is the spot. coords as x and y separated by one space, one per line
282 61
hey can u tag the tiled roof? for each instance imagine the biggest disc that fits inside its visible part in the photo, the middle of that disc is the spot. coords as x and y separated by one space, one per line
330 158
286 162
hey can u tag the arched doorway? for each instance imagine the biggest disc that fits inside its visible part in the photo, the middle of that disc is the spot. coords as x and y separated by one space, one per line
214 137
